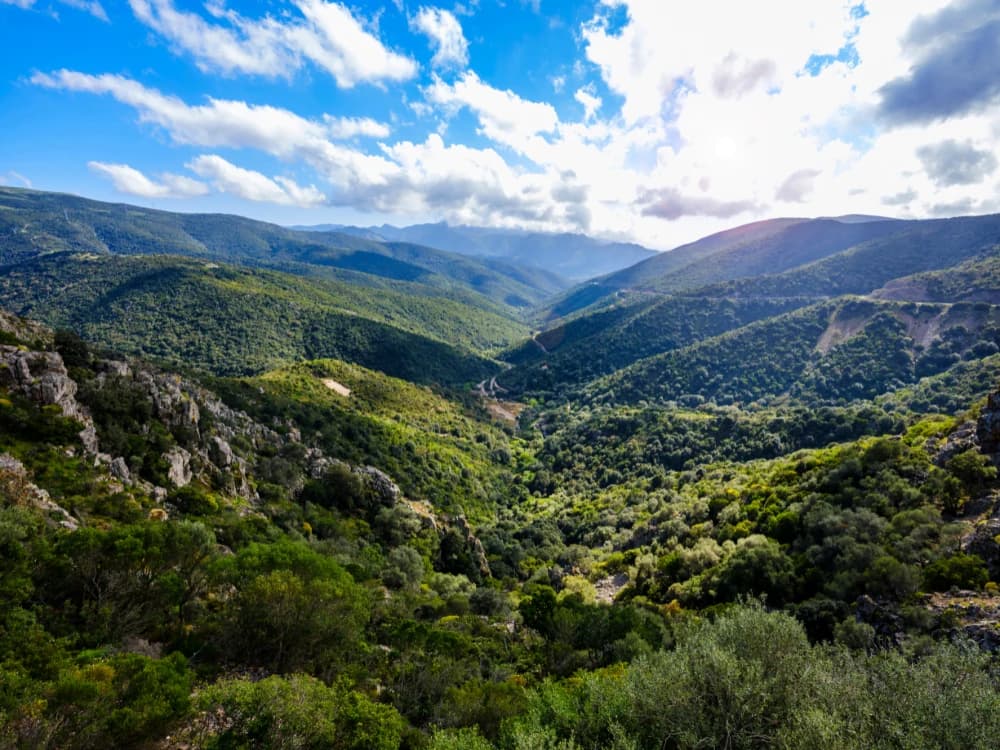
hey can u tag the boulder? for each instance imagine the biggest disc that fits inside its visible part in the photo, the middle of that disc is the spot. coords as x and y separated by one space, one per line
179 472
119 470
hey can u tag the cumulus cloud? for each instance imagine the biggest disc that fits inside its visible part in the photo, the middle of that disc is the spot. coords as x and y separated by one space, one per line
445 32
736 76
675 130
900 199
654 59
953 163
462 184
956 68
254 186
504 116
325 34
131 181
955 208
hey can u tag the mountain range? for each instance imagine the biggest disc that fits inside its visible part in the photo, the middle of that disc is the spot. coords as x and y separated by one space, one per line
275 487
575 257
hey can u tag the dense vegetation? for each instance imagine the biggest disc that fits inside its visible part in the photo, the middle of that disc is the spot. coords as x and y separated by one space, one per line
719 521
829 353
599 344
231 320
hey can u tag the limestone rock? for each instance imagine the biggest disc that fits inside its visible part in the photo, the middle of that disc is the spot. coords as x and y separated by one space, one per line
25 330
221 453
984 540
380 483
42 377
474 545
118 369
179 473
119 469
15 484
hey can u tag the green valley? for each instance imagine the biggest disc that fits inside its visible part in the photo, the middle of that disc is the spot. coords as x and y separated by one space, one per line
250 501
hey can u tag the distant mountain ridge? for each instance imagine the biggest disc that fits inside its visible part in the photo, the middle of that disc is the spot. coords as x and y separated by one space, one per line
764 247
33 223
940 260
576 257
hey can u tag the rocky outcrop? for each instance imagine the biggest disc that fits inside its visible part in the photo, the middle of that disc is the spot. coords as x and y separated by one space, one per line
24 330
42 377
119 470
17 488
173 403
379 484
959 440
886 621
179 466
968 615
206 427
473 544
221 452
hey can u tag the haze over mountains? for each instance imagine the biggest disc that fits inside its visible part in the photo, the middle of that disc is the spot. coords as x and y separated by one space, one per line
573 256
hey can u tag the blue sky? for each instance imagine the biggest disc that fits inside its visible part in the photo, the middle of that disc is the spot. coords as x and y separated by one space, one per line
649 120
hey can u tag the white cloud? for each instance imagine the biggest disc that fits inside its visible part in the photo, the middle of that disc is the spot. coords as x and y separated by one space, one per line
691 127
445 32
657 57
343 128
504 116
453 181
93 7
254 186
324 33
590 101
131 181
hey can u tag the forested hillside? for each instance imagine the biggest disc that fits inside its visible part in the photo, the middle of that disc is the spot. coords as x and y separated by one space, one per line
35 223
231 320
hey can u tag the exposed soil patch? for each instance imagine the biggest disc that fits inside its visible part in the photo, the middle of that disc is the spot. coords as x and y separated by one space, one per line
508 411
336 387
608 588
840 330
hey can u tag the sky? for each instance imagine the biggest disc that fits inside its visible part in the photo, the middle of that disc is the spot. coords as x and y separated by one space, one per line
654 121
